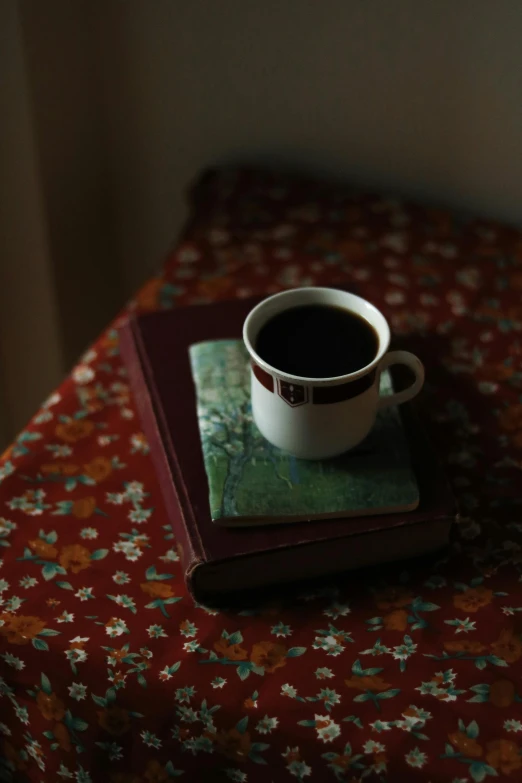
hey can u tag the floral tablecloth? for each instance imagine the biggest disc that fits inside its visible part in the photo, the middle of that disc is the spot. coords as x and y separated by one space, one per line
110 672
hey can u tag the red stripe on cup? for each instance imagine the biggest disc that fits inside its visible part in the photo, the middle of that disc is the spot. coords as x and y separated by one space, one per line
323 395
264 377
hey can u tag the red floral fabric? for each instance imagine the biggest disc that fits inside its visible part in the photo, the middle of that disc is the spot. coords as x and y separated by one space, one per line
110 672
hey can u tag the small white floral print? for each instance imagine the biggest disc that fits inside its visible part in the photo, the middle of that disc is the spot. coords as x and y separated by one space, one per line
395 297
288 690
416 758
65 617
28 581
5 730
89 533
155 631
77 691
218 682
84 593
373 747
150 740
281 630
22 714
513 725
139 515
323 673
59 451
170 556
336 610
327 730
121 578
83 374
13 661
115 628
13 604
266 725
139 444
188 629
236 775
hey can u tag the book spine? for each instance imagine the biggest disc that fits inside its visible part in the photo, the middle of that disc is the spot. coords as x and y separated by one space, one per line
166 470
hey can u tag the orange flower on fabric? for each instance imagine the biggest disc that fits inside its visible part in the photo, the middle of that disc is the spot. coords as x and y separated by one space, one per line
98 469
269 655
234 652
84 508
396 620
249 704
466 745
465 645
343 762
510 419
73 431
502 693
156 773
516 440
51 707
369 683
393 598
233 744
497 372
473 599
503 754
508 646
61 734
115 720
13 755
124 777
214 287
515 279
118 655
148 296
20 629
75 558
60 469
352 250
43 549
157 589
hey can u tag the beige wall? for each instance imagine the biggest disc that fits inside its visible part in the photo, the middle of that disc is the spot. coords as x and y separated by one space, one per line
420 97
113 106
31 359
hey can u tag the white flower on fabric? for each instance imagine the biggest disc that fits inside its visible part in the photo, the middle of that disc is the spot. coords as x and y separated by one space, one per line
266 725
416 758
77 691
327 730
89 356
188 255
52 400
217 236
394 297
83 374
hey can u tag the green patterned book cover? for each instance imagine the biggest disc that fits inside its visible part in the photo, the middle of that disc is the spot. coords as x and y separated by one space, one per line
252 482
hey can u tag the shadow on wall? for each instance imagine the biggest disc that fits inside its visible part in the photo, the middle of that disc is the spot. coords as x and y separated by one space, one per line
126 102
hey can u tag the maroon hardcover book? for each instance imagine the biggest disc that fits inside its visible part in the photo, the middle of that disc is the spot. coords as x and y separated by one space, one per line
220 560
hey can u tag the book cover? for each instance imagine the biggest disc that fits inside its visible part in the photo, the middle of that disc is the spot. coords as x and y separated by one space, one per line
220 561
252 482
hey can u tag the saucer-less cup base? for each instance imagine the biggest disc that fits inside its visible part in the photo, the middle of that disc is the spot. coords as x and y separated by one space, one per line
320 418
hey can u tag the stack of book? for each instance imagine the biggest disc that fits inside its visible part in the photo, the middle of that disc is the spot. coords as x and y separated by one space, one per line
246 515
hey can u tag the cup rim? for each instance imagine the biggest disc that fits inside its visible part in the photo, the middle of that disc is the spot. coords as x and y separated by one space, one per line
384 339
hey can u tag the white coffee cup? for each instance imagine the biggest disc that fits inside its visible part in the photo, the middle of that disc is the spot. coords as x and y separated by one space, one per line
317 418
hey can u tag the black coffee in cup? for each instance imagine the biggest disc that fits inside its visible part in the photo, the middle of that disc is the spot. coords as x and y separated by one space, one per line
317 341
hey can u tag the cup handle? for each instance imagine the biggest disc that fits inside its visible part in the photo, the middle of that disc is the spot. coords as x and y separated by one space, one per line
411 361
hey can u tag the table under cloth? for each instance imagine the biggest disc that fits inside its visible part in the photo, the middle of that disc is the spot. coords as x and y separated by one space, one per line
110 671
